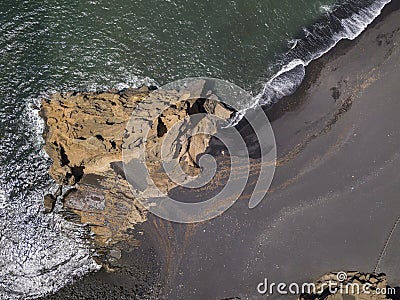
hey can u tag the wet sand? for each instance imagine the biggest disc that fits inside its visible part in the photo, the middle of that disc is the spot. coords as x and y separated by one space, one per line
333 204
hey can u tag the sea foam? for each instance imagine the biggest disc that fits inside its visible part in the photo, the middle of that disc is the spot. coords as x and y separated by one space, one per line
346 21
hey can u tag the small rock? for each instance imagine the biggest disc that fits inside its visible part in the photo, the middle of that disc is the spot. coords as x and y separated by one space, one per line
49 201
143 88
373 280
115 253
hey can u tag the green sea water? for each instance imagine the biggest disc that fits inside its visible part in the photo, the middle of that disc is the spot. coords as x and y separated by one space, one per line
100 43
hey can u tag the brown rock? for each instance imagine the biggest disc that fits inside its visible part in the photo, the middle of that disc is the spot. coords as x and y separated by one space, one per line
84 135
49 201
84 131
356 286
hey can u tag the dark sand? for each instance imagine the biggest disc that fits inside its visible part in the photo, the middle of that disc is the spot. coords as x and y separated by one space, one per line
332 205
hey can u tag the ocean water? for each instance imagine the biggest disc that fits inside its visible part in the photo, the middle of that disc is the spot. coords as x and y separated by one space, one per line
262 46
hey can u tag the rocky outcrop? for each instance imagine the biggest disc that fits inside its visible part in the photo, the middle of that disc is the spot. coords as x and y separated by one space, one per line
84 131
84 136
350 285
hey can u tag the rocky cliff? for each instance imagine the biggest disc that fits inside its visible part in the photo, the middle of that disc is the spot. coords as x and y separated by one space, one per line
84 135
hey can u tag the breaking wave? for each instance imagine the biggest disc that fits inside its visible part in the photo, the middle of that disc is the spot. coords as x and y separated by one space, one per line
346 20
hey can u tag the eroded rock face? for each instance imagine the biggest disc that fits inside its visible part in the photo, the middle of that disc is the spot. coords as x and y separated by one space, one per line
84 135
84 131
355 286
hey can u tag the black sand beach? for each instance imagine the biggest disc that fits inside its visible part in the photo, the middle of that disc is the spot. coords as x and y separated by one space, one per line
333 204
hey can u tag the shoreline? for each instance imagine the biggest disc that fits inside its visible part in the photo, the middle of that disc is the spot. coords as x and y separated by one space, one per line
291 102
312 210
282 119
310 49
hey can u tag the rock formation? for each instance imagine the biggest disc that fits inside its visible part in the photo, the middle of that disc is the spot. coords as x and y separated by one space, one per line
353 285
84 135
